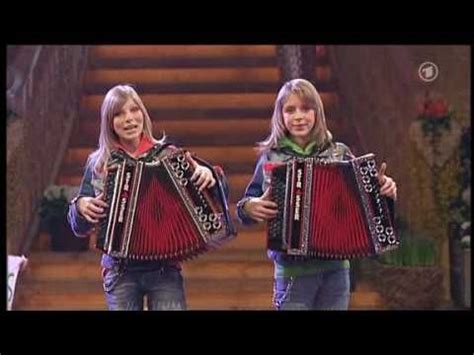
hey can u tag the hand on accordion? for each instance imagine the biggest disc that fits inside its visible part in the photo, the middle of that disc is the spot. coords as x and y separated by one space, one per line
202 175
261 208
92 208
388 187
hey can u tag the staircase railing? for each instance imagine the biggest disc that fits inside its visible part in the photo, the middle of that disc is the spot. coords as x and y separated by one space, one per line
296 61
44 85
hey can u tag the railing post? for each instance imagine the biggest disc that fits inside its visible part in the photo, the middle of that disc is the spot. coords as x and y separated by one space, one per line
296 61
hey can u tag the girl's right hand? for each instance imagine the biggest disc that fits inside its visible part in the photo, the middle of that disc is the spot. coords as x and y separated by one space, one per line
92 208
261 208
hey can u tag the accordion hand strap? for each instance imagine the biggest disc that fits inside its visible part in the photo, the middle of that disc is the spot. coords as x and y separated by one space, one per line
220 178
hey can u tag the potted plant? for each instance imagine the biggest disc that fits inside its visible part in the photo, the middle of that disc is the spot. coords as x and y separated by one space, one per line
53 212
466 263
408 277
459 261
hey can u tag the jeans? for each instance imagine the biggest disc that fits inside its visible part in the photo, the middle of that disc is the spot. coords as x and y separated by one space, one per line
125 290
325 290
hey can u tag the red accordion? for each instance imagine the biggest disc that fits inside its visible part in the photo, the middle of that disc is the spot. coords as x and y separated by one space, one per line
329 210
156 213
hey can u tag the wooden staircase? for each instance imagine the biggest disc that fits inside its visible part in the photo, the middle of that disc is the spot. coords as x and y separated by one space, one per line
214 100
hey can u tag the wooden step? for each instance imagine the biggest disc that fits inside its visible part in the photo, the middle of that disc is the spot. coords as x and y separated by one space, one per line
229 269
182 62
232 261
366 298
110 77
98 88
203 293
189 132
200 294
200 58
177 51
237 185
322 76
54 295
251 239
201 267
195 80
201 301
66 271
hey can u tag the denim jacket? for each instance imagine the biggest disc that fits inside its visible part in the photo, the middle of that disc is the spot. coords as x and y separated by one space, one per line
92 185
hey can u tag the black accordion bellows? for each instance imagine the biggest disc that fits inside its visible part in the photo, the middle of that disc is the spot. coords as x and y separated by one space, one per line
329 210
156 213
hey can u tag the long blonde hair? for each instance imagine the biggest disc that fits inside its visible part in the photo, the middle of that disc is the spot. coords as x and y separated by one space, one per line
310 96
113 102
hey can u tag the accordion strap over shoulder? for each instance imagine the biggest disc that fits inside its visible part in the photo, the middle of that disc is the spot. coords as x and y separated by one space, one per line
119 155
156 151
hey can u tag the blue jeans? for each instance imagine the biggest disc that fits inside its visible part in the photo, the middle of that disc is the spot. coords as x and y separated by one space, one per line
325 290
125 290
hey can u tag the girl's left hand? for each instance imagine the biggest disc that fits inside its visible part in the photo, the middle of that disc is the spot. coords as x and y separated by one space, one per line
202 175
388 187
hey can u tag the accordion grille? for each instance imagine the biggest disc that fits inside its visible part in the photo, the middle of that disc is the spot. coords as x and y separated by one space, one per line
158 209
338 223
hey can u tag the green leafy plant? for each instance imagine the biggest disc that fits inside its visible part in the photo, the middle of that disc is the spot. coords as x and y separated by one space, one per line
414 250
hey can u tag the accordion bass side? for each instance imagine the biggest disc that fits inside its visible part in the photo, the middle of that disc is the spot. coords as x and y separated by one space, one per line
329 210
157 213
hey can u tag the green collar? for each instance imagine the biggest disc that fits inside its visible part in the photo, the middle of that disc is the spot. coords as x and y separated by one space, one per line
287 142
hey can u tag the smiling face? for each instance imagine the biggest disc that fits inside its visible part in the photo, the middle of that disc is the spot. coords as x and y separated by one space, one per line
128 124
299 119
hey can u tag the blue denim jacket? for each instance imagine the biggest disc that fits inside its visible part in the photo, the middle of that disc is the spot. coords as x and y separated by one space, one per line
92 185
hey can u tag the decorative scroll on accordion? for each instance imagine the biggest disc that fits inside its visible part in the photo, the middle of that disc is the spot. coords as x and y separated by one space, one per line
329 210
157 213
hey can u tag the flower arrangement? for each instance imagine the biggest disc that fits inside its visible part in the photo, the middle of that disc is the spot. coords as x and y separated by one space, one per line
435 168
435 115
55 200
53 211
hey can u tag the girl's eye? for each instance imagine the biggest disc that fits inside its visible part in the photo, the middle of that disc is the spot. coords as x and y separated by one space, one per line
305 108
134 109
290 109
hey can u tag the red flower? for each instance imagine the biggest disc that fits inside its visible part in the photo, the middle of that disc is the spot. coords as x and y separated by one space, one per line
433 108
436 109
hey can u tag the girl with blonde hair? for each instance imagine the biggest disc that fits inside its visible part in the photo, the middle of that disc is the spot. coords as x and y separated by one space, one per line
126 125
298 129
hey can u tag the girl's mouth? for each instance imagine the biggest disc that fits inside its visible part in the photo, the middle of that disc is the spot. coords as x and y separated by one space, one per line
130 128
